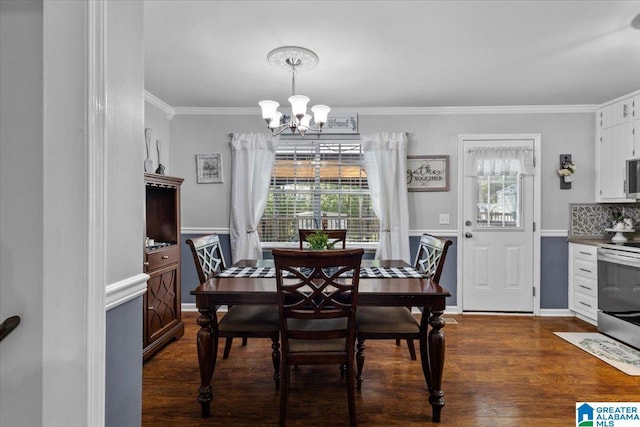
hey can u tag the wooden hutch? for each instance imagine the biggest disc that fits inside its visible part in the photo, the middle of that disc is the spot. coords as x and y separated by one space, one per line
162 316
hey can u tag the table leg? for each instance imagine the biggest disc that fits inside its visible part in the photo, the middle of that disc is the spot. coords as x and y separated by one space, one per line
436 346
207 352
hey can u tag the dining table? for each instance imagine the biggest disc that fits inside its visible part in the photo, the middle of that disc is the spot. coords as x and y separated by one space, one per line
382 283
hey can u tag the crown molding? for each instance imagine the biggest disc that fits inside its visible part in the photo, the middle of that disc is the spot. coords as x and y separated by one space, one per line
169 111
507 109
620 98
407 111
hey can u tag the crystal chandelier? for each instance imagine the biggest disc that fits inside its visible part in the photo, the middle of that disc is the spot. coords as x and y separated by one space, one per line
294 59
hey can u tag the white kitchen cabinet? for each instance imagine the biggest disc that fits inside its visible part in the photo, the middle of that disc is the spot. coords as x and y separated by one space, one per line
636 127
617 113
615 144
583 280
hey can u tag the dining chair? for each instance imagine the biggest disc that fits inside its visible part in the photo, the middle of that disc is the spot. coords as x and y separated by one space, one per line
337 236
317 309
243 321
398 322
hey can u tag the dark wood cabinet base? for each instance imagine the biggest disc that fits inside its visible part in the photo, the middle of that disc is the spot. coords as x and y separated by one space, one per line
174 333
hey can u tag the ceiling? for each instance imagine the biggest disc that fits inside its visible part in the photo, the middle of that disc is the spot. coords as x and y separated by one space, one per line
384 54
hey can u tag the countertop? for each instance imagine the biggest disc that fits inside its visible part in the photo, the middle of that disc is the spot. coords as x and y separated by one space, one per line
593 240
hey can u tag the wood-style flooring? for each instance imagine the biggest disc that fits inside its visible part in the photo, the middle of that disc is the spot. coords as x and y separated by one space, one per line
500 371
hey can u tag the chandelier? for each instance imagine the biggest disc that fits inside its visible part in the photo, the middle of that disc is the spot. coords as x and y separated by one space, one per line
294 59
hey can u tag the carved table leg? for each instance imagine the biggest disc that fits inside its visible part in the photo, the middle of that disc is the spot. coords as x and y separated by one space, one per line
207 352
436 346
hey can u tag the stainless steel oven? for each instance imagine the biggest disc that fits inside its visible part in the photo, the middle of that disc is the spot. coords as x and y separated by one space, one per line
619 292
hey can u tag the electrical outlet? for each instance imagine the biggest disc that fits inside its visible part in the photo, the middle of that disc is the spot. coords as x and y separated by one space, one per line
444 219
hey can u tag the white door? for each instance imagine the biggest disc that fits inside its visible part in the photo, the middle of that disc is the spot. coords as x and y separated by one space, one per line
497 230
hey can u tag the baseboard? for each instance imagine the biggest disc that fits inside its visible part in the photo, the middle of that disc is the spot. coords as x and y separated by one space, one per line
556 312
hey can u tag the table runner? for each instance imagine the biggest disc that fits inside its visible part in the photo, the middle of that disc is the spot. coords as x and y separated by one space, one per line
365 272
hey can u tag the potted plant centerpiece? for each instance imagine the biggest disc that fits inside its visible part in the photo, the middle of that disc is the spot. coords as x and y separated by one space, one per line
319 240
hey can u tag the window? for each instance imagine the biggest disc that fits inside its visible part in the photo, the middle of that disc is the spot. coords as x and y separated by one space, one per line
319 183
498 172
498 201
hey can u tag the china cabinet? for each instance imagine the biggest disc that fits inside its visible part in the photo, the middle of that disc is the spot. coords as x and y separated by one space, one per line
162 317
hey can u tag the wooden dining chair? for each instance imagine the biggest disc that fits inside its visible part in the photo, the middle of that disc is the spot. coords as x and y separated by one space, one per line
317 310
398 322
337 236
243 321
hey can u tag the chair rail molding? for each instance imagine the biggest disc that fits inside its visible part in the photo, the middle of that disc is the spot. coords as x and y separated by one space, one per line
125 290
204 230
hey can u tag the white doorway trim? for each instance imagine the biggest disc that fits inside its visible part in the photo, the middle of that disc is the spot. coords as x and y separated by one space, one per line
97 204
536 138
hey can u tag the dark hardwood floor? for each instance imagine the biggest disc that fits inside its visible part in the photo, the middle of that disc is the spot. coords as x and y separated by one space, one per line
500 371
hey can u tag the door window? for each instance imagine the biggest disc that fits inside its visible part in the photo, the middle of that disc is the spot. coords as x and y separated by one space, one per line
497 202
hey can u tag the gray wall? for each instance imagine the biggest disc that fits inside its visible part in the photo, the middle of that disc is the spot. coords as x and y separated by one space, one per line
553 270
125 208
21 228
554 264
157 121
123 402
207 205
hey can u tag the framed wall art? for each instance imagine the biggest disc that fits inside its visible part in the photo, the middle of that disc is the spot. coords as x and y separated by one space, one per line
209 168
428 173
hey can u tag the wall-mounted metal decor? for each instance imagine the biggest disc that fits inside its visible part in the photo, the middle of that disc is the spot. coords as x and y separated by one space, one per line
428 173
209 168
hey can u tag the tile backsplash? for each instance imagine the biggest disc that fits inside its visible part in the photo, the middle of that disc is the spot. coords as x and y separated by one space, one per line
591 219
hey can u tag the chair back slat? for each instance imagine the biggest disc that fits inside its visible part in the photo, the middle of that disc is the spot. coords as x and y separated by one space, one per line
207 255
315 301
337 236
431 256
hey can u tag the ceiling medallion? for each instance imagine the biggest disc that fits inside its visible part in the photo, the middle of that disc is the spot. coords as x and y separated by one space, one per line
294 59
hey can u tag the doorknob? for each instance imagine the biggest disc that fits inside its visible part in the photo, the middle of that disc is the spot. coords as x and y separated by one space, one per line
468 235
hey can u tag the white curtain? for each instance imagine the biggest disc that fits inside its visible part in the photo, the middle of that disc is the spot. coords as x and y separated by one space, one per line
385 161
500 161
252 156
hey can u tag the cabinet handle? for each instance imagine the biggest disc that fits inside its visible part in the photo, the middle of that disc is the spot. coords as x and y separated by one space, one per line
625 113
146 263
165 256
585 270
584 287
584 253
585 304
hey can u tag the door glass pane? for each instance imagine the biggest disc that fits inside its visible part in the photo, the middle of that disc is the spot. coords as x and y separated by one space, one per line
497 202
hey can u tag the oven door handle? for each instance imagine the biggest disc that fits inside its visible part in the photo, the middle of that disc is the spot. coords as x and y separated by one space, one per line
616 257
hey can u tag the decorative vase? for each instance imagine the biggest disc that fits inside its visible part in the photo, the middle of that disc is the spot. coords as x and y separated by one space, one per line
619 226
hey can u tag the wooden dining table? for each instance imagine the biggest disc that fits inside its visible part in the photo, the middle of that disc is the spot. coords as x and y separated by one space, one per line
378 291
